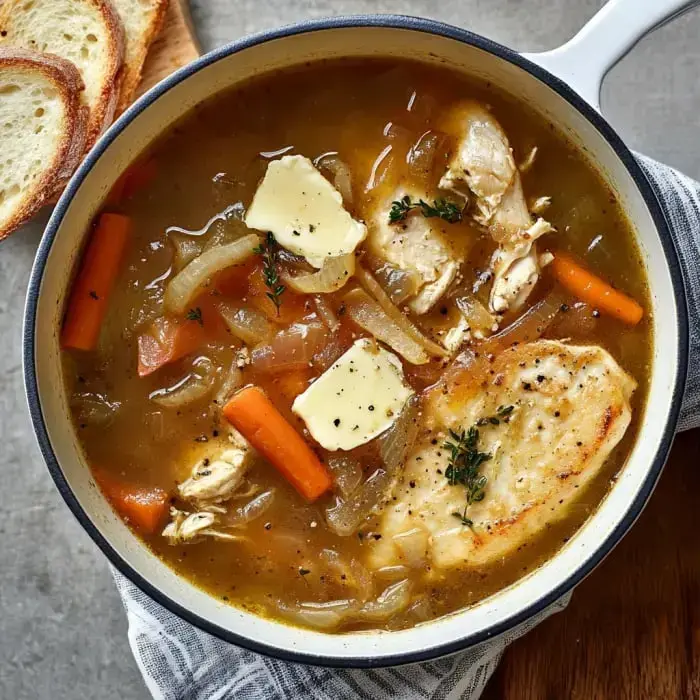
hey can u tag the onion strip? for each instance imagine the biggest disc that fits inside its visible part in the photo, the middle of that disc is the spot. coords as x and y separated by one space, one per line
370 284
326 313
195 386
247 324
528 327
367 314
330 278
184 286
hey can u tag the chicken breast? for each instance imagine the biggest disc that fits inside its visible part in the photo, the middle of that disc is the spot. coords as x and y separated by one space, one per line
417 245
482 166
570 408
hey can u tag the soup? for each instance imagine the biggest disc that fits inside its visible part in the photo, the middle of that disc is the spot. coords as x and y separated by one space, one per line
358 344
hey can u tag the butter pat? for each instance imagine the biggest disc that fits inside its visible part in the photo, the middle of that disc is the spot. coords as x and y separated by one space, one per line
304 211
356 399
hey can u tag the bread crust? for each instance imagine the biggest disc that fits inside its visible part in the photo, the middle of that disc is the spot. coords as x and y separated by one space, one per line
66 77
132 72
102 113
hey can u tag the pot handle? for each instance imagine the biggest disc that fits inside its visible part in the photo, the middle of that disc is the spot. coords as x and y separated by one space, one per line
583 61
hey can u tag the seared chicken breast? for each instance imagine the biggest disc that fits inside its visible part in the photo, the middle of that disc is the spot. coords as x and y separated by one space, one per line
558 411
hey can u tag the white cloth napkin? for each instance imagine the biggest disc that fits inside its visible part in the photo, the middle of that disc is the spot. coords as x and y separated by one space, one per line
179 661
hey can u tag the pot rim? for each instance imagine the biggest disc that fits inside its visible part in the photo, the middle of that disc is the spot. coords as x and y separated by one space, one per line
428 26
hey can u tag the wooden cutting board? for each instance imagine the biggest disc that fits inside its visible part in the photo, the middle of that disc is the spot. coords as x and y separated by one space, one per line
632 631
175 47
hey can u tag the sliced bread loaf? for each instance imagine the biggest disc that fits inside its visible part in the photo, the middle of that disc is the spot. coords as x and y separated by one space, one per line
87 32
42 131
142 20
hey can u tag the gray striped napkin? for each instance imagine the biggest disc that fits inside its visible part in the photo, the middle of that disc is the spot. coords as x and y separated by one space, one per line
178 661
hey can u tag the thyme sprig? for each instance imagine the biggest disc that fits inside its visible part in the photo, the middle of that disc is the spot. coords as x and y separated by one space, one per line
195 314
440 208
464 463
269 252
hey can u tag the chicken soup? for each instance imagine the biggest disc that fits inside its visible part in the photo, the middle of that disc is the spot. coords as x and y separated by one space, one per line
358 344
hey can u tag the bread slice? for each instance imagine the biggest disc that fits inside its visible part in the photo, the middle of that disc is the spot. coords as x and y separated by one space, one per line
87 32
142 20
42 131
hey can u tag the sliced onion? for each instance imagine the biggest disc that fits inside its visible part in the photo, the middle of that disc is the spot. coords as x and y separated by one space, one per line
367 314
231 383
94 408
393 600
475 313
330 352
248 324
250 511
186 249
400 319
186 284
577 322
340 174
422 157
397 442
353 572
345 517
413 546
397 283
528 327
326 313
321 616
195 386
290 349
346 473
330 278
396 571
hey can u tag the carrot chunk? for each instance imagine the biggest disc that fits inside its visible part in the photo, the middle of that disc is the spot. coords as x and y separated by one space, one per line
255 417
595 291
168 340
94 282
136 178
144 508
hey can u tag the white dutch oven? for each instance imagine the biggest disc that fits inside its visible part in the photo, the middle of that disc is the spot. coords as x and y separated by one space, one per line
570 101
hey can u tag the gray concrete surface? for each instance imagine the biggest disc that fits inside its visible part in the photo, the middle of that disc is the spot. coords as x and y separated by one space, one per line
62 632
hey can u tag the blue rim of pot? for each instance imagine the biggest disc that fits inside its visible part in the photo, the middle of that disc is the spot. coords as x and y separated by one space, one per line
357 21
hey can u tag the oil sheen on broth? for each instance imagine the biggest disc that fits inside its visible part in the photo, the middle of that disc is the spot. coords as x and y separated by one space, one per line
388 129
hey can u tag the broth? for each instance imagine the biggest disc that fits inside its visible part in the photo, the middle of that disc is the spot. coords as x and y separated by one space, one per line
216 158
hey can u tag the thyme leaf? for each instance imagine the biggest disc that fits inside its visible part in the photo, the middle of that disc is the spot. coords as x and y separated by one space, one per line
440 208
195 314
269 252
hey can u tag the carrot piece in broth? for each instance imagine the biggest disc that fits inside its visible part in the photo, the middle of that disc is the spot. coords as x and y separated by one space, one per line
593 290
142 507
94 282
257 419
133 180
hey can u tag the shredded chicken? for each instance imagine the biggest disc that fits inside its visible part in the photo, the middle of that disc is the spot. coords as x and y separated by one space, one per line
190 527
416 245
214 481
483 166
540 204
